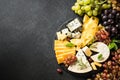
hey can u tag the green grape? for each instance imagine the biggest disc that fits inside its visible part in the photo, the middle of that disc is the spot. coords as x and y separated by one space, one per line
96 9
96 2
109 1
105 6
109 5
97 6
80 12
86 2
76 11
83 8
77 7
92 1
92 5
89 13
87 8
73 8
76 4
78 0
95 13
81 2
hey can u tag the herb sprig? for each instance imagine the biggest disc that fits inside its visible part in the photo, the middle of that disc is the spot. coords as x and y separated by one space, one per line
113 44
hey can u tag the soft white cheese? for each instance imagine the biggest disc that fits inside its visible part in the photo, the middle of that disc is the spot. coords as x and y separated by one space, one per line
102 49
76 67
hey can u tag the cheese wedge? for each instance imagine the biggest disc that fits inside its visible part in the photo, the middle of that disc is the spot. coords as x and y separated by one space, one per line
87 51
81 67
103 49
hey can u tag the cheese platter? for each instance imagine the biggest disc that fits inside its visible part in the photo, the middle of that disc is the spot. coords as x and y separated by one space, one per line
84 46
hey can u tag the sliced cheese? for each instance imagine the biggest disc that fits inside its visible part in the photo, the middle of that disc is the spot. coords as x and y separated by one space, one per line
85 19
89 30
58 52
60 60
65 54
62 51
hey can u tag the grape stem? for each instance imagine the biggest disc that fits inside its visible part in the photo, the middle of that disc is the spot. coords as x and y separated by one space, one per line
102 2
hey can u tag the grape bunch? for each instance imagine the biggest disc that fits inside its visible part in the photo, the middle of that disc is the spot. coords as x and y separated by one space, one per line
111 21
70 59
102 36
111 68
116 56
111 71
90 7
115 4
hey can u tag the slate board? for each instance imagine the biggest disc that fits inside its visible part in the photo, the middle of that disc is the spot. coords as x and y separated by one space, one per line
27 31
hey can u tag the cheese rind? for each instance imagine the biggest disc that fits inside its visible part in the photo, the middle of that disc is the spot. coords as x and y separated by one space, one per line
87 51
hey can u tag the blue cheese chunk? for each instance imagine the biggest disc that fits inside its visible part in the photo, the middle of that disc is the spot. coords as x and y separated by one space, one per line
75 24
76 35
61 36
66 32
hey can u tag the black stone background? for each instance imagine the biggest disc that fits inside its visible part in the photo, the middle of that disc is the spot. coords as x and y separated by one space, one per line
27 30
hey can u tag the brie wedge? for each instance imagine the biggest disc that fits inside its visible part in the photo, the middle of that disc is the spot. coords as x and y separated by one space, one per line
102 50
82 65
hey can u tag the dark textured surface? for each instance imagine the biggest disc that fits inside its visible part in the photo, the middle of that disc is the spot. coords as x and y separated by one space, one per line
27 30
